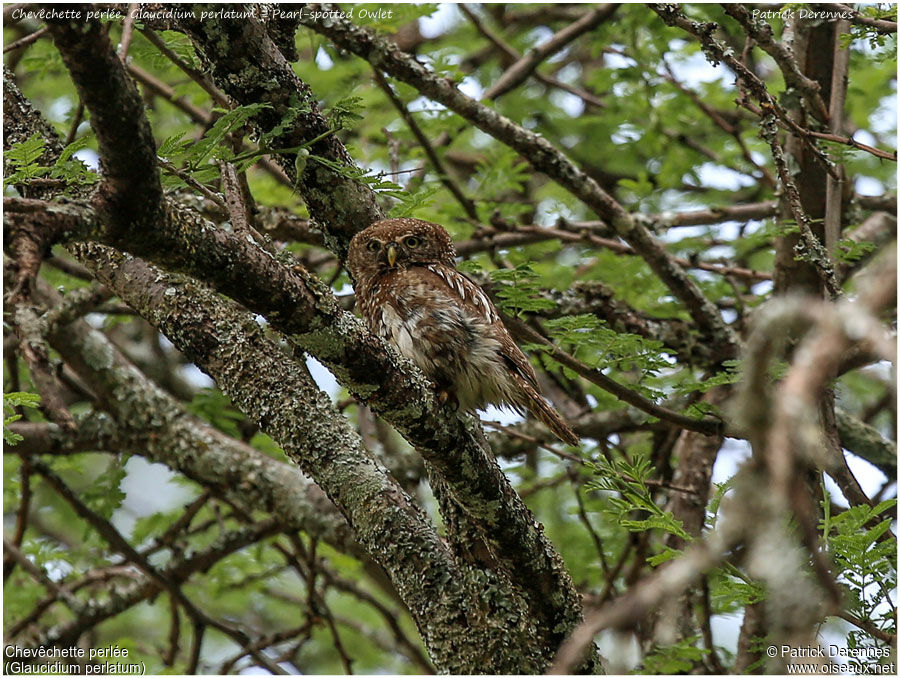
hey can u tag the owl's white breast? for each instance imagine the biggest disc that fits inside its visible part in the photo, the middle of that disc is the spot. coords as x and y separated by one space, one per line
452 342
400 330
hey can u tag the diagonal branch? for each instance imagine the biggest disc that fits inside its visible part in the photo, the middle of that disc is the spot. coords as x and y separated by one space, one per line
464 201
516 74
511 53
114 538
130 195
761 32
883 26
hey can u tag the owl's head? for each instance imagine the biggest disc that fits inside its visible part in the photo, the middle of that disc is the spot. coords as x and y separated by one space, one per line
398 243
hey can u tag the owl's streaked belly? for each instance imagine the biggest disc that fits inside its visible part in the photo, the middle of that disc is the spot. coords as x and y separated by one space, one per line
452 344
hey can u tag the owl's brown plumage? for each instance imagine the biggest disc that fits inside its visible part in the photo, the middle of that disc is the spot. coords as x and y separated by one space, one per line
410 293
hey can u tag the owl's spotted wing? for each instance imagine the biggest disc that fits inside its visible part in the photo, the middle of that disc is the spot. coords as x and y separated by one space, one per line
474 297
516 361
465 289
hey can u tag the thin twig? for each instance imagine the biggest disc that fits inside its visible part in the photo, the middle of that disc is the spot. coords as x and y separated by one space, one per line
27 40
760 31
193 183
511 53
521 69
816 250
883 26
853 143
583 517
464 201
197 76
595 376
76 121
127 31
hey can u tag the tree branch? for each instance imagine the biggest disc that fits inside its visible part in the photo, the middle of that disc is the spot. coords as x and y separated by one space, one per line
516 74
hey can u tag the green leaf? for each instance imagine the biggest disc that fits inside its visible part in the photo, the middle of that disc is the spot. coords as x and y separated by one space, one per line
674 659
22 160
626 480
849 251
408 203
105 495
215 407
10 402
72 170
519 291
347 111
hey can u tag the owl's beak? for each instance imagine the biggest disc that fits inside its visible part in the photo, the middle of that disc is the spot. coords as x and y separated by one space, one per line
391 254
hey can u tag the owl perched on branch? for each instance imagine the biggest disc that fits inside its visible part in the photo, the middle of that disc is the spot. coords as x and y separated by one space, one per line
410 293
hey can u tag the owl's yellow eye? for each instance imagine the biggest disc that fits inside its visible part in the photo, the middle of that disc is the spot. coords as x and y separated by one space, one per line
373 246
412 242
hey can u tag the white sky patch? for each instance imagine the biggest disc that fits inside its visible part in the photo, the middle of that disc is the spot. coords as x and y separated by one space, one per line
166 494
481 140
501 415
869 186
196 377
324 379
571 104
323 61
423 104
869 477
884 119
89 157
569 73
616 61
539 35
836 495
626 133
550 210
439 22
60 108
864 137
722 178
695 69
726 629
471 87
762 288
733 453
729 230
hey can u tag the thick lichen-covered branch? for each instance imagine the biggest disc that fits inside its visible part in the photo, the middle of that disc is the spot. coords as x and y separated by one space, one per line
130 194
280 395
249 67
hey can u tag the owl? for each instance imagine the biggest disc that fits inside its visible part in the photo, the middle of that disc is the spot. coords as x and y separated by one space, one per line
410 293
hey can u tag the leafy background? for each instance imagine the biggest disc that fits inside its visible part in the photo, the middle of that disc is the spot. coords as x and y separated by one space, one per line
651 145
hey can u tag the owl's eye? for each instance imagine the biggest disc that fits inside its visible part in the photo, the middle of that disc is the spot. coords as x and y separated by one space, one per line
412 242
373 246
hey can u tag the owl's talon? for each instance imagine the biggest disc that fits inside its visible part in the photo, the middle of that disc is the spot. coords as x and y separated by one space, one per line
445 397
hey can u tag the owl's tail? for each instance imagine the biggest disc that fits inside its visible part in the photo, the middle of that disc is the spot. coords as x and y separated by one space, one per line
543 411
